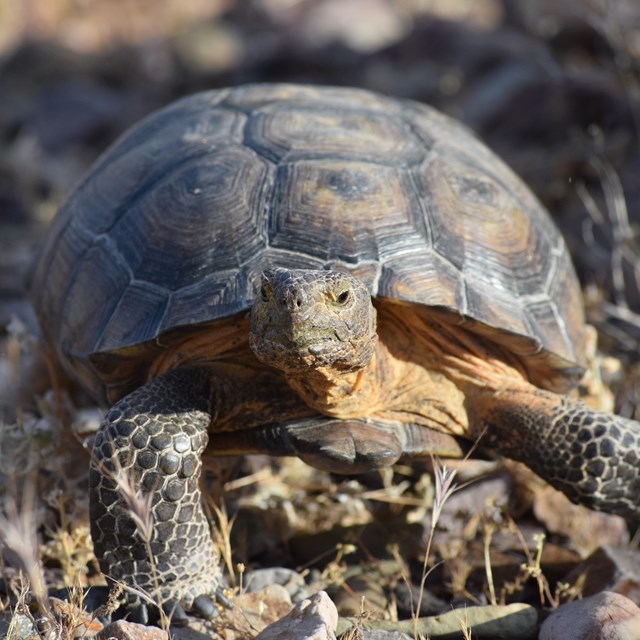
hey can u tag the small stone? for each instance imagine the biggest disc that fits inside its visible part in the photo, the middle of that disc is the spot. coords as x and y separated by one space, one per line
292 581
367 581
67 615
22 627
605 616
258 609
124 630
312 619
610 568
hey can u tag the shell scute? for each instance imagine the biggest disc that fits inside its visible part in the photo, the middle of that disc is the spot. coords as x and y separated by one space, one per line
286 133
347 211
219 225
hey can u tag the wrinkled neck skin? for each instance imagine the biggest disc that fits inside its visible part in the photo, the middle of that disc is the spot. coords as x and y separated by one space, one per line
339 394
319 329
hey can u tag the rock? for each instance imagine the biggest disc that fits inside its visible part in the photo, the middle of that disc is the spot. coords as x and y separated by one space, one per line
377 634
482 495
605 616
586 529
70 615
340 21
408 597
61 620
124 630
510 622
21 627
312 619
292 581
365 586
610 568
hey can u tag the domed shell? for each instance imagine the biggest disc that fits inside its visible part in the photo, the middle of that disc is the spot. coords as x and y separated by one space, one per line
174 223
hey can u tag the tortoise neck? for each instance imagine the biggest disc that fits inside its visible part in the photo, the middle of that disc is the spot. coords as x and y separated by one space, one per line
340 394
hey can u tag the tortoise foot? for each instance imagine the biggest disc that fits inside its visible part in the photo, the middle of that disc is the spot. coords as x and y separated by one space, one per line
147 614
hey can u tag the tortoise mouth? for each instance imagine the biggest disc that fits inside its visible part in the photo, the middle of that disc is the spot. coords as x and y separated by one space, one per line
312 340
317 346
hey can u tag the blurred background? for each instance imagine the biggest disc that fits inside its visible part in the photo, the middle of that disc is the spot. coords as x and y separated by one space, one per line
552 87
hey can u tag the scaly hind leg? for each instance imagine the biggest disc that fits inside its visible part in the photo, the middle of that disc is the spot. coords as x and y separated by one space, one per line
592 457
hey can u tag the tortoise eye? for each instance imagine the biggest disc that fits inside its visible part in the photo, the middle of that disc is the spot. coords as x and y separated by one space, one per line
264 293
344 297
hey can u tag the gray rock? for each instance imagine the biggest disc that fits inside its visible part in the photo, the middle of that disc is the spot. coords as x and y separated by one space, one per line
292 581
20 626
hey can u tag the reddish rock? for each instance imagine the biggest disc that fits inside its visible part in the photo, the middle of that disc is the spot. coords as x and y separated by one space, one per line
312 619
124 630
605 616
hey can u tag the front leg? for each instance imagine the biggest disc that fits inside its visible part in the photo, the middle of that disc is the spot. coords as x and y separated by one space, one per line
147 522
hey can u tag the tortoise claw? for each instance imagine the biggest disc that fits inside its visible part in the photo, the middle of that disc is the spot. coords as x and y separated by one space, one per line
344 446
138 614
205 607
176 613
222 599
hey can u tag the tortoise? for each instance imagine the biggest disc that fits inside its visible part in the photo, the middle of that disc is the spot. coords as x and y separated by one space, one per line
312 271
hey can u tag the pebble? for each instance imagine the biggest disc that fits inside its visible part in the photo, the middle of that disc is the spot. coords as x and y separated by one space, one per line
20 626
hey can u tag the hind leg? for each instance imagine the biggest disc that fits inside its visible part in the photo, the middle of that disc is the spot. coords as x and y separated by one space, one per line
592 457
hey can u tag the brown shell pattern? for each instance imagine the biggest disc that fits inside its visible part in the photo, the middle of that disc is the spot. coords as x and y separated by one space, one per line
174 223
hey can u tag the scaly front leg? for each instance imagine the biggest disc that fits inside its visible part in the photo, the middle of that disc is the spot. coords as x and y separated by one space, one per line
147 522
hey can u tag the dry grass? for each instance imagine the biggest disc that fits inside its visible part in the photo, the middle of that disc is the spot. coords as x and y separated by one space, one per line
20 524
138 505
19 543
444 489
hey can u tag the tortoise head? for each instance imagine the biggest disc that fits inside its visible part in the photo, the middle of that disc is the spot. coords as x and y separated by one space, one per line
303 318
